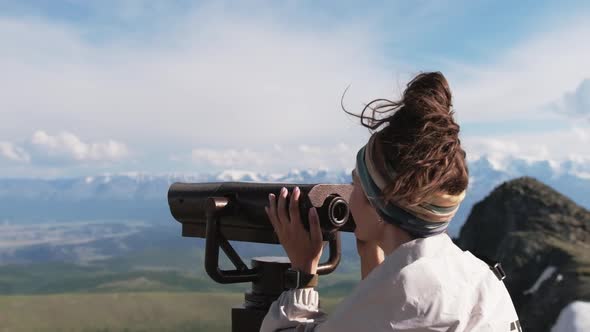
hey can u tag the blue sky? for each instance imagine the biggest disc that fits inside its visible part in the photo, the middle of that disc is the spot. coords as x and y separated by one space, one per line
92 87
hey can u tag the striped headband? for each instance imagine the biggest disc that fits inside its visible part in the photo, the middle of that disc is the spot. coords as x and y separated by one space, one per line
428 218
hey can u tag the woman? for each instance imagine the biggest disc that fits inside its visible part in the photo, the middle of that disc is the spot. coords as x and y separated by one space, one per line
408 183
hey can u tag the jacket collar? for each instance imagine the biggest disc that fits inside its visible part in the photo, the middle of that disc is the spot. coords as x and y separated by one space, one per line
409 252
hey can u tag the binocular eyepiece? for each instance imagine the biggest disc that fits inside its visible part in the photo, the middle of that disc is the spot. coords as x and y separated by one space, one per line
243 216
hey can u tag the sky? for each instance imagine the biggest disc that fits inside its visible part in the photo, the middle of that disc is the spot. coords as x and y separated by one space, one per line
95 87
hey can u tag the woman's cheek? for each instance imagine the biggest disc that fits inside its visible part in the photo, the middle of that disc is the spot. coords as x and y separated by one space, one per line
352 205
361 213
359 233
360 230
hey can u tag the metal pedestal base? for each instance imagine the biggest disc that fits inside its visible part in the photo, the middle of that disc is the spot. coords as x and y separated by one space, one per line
249 316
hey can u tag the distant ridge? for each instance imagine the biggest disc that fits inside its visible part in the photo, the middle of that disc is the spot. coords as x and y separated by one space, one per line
542 239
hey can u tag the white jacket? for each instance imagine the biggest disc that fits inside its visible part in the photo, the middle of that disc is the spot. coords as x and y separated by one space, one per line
426 284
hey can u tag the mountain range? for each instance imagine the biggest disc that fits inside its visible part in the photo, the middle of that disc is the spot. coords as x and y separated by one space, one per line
143 196
105 215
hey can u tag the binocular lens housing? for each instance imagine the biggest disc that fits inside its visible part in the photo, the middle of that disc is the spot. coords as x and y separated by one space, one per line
244 218
338 212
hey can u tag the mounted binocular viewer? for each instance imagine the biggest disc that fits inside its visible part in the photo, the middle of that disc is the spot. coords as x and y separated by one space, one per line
224 211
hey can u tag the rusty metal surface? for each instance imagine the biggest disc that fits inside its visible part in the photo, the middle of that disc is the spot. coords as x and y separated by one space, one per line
319 192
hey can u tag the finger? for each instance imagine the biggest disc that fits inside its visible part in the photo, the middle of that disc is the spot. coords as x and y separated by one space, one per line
275 225
294 213
314 227
273 211
281 209
272 221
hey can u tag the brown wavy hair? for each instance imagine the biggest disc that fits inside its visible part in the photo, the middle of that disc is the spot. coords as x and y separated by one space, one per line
420 140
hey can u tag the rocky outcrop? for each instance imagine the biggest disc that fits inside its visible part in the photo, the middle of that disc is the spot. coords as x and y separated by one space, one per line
542 240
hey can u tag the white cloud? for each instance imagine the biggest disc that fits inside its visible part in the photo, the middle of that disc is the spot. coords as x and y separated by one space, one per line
306 149
557 146
281 158
11 152
215 75
576 103
582 134
229 157
524 81
68 146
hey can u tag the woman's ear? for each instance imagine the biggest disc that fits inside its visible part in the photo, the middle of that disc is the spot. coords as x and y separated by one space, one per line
381 224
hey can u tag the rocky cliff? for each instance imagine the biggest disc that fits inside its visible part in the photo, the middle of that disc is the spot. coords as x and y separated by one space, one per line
542 240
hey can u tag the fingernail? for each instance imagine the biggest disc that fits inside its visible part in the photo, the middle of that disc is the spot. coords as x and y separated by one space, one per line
284 192
296 190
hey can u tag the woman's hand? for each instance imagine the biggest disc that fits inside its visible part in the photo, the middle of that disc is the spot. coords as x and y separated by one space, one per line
303 248
371 256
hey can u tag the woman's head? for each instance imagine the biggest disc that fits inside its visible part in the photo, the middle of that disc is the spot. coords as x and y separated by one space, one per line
419 143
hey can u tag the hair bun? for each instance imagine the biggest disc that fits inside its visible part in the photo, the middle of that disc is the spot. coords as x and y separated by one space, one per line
428 92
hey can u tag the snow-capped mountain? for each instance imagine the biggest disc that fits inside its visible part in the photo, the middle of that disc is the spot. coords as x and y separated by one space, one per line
143 196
